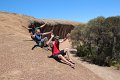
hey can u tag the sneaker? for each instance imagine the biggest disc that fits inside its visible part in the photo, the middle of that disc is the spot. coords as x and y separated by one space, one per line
72 66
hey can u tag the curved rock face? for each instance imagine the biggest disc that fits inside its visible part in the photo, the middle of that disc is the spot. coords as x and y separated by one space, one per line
19 62
22 22
62 30
58 29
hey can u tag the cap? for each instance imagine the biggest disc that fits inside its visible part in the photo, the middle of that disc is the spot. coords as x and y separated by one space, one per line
57 37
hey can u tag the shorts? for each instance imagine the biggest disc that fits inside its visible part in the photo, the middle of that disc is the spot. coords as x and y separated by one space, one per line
41 43
56 55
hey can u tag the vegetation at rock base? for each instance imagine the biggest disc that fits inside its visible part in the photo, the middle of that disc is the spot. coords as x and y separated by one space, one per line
98 40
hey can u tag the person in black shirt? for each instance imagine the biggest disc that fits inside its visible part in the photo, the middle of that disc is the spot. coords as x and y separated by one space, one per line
33 28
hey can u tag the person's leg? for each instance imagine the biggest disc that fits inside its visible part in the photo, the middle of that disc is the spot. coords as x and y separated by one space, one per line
67 51
63 53
66 61
73 50
44 41
35 46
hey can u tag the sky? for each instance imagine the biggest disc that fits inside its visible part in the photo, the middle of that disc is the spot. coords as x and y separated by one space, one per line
74 10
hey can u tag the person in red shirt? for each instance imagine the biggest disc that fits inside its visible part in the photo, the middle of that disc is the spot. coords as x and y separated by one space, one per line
58 54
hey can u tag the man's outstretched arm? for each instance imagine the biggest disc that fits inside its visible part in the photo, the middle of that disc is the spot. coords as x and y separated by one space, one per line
42 25
46 33
49 41
68 35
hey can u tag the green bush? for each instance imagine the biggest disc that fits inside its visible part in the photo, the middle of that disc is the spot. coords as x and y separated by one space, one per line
98 40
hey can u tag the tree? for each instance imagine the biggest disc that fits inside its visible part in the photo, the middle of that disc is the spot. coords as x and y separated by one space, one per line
100 39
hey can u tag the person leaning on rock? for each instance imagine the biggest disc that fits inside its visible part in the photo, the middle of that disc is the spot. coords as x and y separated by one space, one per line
62 55
33 28
39 39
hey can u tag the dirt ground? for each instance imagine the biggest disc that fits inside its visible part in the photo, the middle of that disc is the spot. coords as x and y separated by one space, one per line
106 73
19 62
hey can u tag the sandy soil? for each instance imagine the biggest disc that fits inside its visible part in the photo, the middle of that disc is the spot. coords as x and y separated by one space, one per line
19 62
106 73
